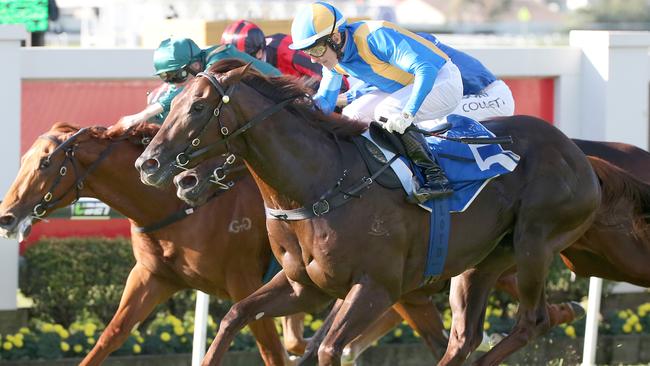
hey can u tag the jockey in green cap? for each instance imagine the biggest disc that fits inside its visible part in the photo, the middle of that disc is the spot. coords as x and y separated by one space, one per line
176 61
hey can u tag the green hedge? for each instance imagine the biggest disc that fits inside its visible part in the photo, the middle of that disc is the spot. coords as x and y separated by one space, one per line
83 278
168 334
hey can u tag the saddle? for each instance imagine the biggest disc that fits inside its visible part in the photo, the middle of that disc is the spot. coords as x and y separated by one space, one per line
375 159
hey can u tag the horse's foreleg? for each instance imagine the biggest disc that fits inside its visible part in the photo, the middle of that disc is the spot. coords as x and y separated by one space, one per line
279 297
468 313
264 330
292 335
421 314
142 292
389 320
311 353
468 298
365 302
508 283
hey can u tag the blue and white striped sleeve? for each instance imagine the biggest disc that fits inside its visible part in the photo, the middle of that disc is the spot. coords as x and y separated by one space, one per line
328 91
412 56
358 90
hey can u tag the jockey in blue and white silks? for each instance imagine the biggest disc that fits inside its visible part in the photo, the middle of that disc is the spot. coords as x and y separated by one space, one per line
415 81
484 96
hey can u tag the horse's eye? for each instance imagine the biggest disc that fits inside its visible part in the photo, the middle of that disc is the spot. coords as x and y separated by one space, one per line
198 107
45 162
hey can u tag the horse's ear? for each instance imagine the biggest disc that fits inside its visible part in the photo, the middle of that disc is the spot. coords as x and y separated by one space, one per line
235 75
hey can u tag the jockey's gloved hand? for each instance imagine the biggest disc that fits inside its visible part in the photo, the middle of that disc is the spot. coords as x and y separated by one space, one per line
399 122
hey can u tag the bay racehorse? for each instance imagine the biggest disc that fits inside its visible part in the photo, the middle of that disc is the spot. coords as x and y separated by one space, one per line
197 184
225 256
604 250
301 158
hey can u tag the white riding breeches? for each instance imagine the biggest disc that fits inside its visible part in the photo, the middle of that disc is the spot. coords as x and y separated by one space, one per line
493 101
443 99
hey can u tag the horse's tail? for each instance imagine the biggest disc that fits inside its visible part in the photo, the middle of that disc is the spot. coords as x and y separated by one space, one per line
617 184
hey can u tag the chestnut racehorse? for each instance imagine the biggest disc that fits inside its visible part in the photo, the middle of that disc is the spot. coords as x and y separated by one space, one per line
301 158
225 256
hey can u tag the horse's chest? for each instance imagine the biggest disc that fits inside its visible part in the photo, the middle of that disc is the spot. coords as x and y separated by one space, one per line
307 250
320 260
186 270
199 274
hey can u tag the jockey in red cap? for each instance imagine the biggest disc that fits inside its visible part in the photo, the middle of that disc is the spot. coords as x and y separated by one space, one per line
274 49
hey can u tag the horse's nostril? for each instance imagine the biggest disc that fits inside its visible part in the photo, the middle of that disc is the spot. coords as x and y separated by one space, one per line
150 166
7 220
188 182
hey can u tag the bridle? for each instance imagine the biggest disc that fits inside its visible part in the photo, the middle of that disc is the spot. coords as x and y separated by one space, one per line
332 198
193 151
68 148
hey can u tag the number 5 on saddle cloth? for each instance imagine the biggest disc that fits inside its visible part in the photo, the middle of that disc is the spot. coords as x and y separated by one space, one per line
468 164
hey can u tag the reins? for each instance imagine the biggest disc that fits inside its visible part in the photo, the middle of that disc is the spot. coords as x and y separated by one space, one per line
177 215
68 146
333 198
465 140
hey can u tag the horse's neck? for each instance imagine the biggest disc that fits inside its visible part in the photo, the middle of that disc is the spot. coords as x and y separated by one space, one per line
292 162
116 183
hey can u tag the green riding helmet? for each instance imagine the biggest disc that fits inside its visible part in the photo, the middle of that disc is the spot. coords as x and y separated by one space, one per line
174 54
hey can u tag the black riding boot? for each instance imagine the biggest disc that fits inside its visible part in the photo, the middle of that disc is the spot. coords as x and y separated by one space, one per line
436 184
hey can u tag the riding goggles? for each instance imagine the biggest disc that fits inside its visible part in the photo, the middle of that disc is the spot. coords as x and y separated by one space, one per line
317 50
174 76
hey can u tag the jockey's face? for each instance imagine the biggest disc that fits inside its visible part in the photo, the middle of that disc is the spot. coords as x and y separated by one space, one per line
175 76
329 58
182 76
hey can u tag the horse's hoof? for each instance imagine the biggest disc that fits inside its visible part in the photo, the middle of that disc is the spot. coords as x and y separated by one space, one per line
347 358
293 360
485 344
308 359
496 338
578 310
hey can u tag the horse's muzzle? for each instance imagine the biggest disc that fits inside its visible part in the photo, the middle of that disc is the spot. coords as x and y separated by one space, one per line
148 166
186 182
8 221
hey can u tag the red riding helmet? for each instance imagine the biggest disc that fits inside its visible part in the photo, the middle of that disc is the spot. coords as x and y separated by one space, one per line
244 35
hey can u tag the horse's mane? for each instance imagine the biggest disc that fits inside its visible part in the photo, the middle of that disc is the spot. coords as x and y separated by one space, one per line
280 88
617 184
100 132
